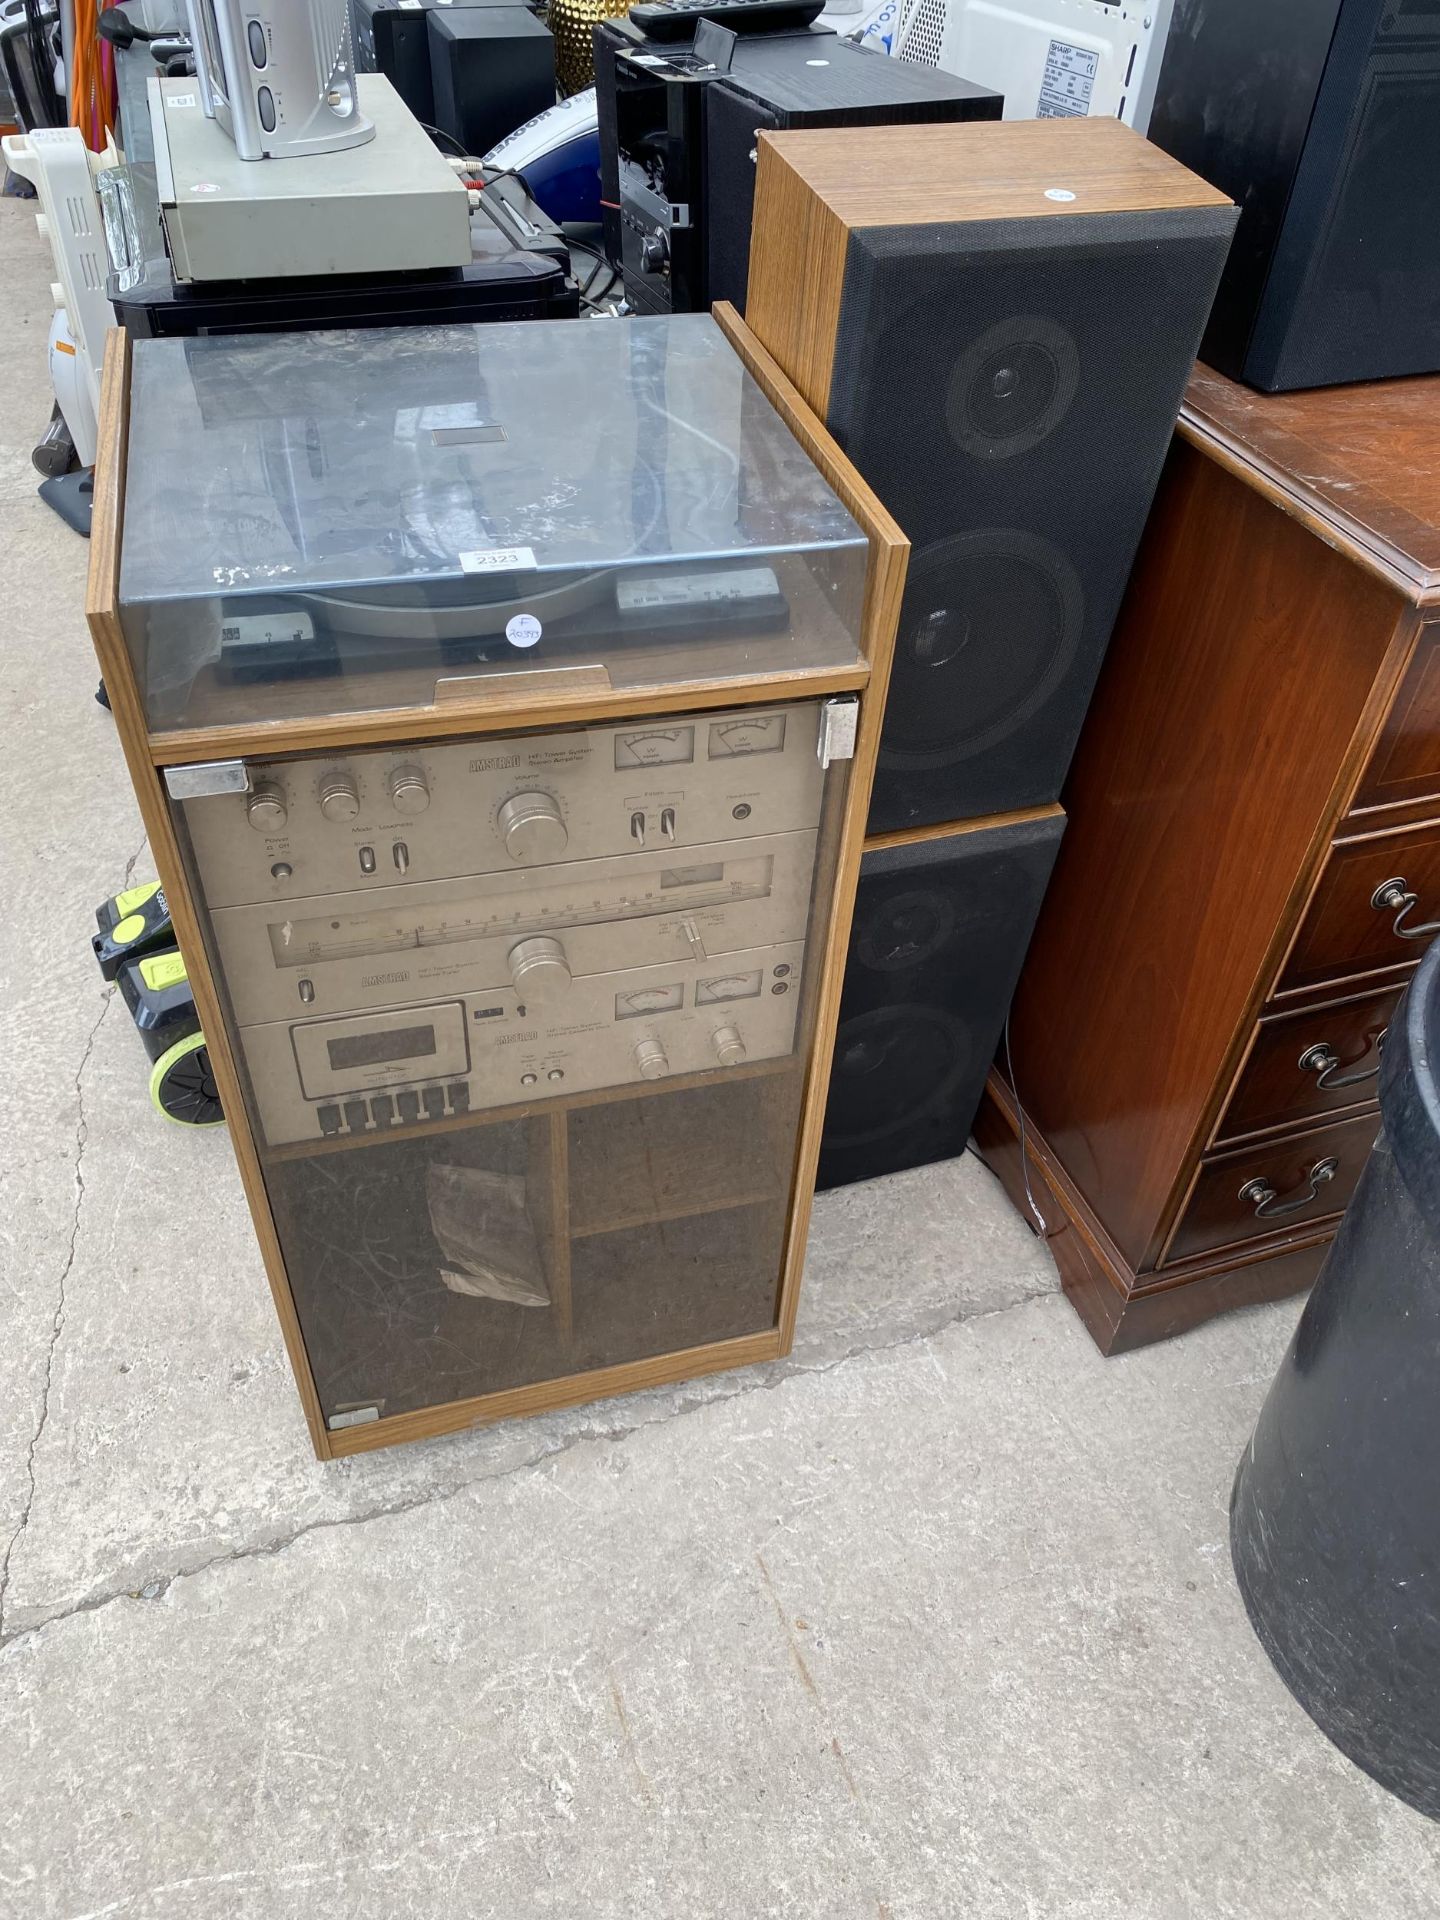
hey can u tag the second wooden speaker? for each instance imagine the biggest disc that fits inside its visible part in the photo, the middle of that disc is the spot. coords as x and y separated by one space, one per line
941 928
996 323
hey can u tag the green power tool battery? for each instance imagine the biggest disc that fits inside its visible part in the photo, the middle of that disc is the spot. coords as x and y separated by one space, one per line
156 989
132 923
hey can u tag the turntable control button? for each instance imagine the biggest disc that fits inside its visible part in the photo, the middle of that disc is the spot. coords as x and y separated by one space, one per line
357 1115
409 1105
329 1119
435 1103
382 1110
265 101
255 33
460 1097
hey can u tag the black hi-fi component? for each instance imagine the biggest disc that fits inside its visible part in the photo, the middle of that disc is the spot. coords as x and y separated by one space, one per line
1335 159
997 324
681 121
940 931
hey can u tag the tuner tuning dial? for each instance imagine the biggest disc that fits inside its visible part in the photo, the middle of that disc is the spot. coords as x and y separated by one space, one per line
532 827
651 1059
729 1047
539 969
339 796
266 808
409 789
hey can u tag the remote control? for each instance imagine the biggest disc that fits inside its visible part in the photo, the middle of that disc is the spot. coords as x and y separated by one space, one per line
669 19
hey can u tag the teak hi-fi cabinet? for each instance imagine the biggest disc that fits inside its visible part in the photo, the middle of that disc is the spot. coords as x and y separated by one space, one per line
512 845
1252 866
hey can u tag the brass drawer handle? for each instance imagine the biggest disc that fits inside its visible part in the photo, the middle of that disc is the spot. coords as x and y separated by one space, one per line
1264 1196
1393 896
1322 1060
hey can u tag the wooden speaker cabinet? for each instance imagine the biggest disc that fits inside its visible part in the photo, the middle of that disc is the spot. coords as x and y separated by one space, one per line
505 762
1251 869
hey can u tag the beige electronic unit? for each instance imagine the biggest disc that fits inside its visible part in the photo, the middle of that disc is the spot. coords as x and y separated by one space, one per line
390 205
503 713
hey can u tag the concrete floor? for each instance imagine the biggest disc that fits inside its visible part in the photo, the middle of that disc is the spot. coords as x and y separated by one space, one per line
937 1618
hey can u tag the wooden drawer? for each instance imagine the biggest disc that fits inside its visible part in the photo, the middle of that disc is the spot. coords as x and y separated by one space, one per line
1303 1066
1406 762
1345 929
1219 1216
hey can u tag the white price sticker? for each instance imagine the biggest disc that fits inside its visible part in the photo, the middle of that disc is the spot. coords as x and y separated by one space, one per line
522 630
499 560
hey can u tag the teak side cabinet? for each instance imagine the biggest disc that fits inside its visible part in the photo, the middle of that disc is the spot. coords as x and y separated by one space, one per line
1252 867
562 1129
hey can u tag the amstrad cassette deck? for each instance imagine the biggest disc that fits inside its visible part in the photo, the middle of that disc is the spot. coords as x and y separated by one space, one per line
501 688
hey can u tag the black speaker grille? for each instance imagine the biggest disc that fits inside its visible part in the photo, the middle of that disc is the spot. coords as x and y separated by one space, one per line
941 928
1354 287
1009 389
988 631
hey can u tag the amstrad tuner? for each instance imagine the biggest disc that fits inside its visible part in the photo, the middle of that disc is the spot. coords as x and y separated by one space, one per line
500 690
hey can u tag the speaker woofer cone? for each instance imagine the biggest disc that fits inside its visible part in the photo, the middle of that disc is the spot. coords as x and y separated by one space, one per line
988 629
1012 387
904 931
892 1067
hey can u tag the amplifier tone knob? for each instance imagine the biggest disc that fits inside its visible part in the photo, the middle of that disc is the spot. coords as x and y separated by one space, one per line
651 1059
729 1047
532 827
339 796
539 969
409 790
266 808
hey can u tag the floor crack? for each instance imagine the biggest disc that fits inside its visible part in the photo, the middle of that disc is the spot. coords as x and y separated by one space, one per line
82 1134
774 1375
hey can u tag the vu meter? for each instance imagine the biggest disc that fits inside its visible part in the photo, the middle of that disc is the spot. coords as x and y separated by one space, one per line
660 747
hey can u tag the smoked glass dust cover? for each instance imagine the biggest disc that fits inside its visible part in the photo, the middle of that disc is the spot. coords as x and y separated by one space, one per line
321 523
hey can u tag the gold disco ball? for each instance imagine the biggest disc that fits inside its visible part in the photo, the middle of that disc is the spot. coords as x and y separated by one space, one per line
570 22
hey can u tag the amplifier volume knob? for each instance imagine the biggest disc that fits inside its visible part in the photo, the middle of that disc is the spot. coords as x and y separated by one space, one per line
729 1047
409 790
339 796
651 1059
532 827
540 970
266 808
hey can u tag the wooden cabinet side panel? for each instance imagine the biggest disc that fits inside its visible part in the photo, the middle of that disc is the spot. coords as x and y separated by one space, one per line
797 271
1238 694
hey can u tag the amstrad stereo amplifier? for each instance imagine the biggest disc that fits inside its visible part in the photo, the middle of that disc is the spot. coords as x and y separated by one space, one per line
493 698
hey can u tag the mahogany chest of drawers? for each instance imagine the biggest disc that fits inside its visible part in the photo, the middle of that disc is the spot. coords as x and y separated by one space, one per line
1252 866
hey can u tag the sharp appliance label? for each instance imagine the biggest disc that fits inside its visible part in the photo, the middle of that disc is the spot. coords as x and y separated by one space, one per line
1068 82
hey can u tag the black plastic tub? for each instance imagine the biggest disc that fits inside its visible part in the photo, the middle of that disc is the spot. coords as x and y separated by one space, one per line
1335 1517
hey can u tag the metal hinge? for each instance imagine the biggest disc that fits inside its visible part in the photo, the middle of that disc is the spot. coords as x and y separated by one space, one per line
206 778
838 721
353 1417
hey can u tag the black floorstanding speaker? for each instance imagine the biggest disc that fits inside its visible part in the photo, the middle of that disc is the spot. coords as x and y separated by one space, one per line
997 323
941 927
1322 118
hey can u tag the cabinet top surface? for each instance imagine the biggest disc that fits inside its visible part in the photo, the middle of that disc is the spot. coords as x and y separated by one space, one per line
1364 458
987 170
